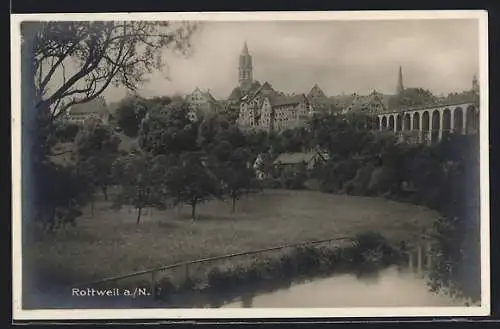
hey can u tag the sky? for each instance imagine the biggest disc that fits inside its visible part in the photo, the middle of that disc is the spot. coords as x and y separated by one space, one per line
340 56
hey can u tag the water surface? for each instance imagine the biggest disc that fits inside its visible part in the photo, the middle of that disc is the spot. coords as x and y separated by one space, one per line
391 287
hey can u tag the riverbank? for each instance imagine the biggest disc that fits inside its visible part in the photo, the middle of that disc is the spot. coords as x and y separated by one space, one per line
110 243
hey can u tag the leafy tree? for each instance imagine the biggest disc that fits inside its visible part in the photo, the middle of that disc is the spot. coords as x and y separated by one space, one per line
101 53
143 178
168 130
416 97
66 131
65 192
67 63
343 135
191 181
458 263
96 148
129 114
237 174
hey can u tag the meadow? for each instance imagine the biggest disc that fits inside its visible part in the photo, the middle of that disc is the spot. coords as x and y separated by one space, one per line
110 242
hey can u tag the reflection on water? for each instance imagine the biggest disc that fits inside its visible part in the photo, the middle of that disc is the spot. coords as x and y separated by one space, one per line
391 287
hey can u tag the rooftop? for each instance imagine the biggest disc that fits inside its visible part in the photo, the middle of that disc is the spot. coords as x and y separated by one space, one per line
97 105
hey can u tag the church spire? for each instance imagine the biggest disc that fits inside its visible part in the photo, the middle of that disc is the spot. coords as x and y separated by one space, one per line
400 88
475 85
245 76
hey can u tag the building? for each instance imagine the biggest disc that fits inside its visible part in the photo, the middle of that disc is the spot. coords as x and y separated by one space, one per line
261 107
370 104
202 103
95 109
294 161
245 69
269 110
320 102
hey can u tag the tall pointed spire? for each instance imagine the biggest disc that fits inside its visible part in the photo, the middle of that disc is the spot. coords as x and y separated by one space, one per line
245 68
400 88
475 85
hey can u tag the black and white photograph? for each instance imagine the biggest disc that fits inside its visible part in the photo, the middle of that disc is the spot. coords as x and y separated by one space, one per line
247 165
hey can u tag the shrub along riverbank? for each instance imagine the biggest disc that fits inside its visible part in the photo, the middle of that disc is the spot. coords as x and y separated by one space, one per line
220 284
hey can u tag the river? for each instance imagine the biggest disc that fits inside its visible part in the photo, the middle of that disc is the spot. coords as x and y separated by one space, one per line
388 288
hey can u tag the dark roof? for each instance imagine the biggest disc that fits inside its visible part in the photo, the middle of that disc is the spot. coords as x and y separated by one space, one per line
342 100
97 105
280 100
295 158
237 93
316 91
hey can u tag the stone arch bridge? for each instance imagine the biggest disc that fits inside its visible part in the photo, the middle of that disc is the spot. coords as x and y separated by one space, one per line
430 124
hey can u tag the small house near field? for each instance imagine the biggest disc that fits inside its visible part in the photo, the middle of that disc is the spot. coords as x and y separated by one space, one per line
293 161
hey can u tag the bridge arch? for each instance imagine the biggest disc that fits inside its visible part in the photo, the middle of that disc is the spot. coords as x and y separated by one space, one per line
399 122
416 121
384 122
407 122
458 121
378 123
425 121
435 125
472 120
446 122
391 122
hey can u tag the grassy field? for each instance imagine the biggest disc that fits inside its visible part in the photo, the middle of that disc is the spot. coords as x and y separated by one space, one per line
110 243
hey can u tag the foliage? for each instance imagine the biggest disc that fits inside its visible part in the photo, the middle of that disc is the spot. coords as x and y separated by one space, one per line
168 130
416 97
143 178
342 135
65 192
458 265
65 131
129 114
96 148
67 63
191 181
91 55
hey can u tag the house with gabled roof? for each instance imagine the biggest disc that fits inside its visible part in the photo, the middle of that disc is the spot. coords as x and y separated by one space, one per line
202 103
293 161
93 110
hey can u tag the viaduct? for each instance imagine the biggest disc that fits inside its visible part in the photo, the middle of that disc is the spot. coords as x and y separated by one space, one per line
430 124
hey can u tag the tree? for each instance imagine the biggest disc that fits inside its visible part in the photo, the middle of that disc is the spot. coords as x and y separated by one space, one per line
91 55
416 97
342 135
191 181
65 192
96 148
129 114
66 131
235 171
67 63
142 178
168 130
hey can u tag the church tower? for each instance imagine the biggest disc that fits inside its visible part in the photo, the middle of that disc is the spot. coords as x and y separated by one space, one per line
400 88
245 77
